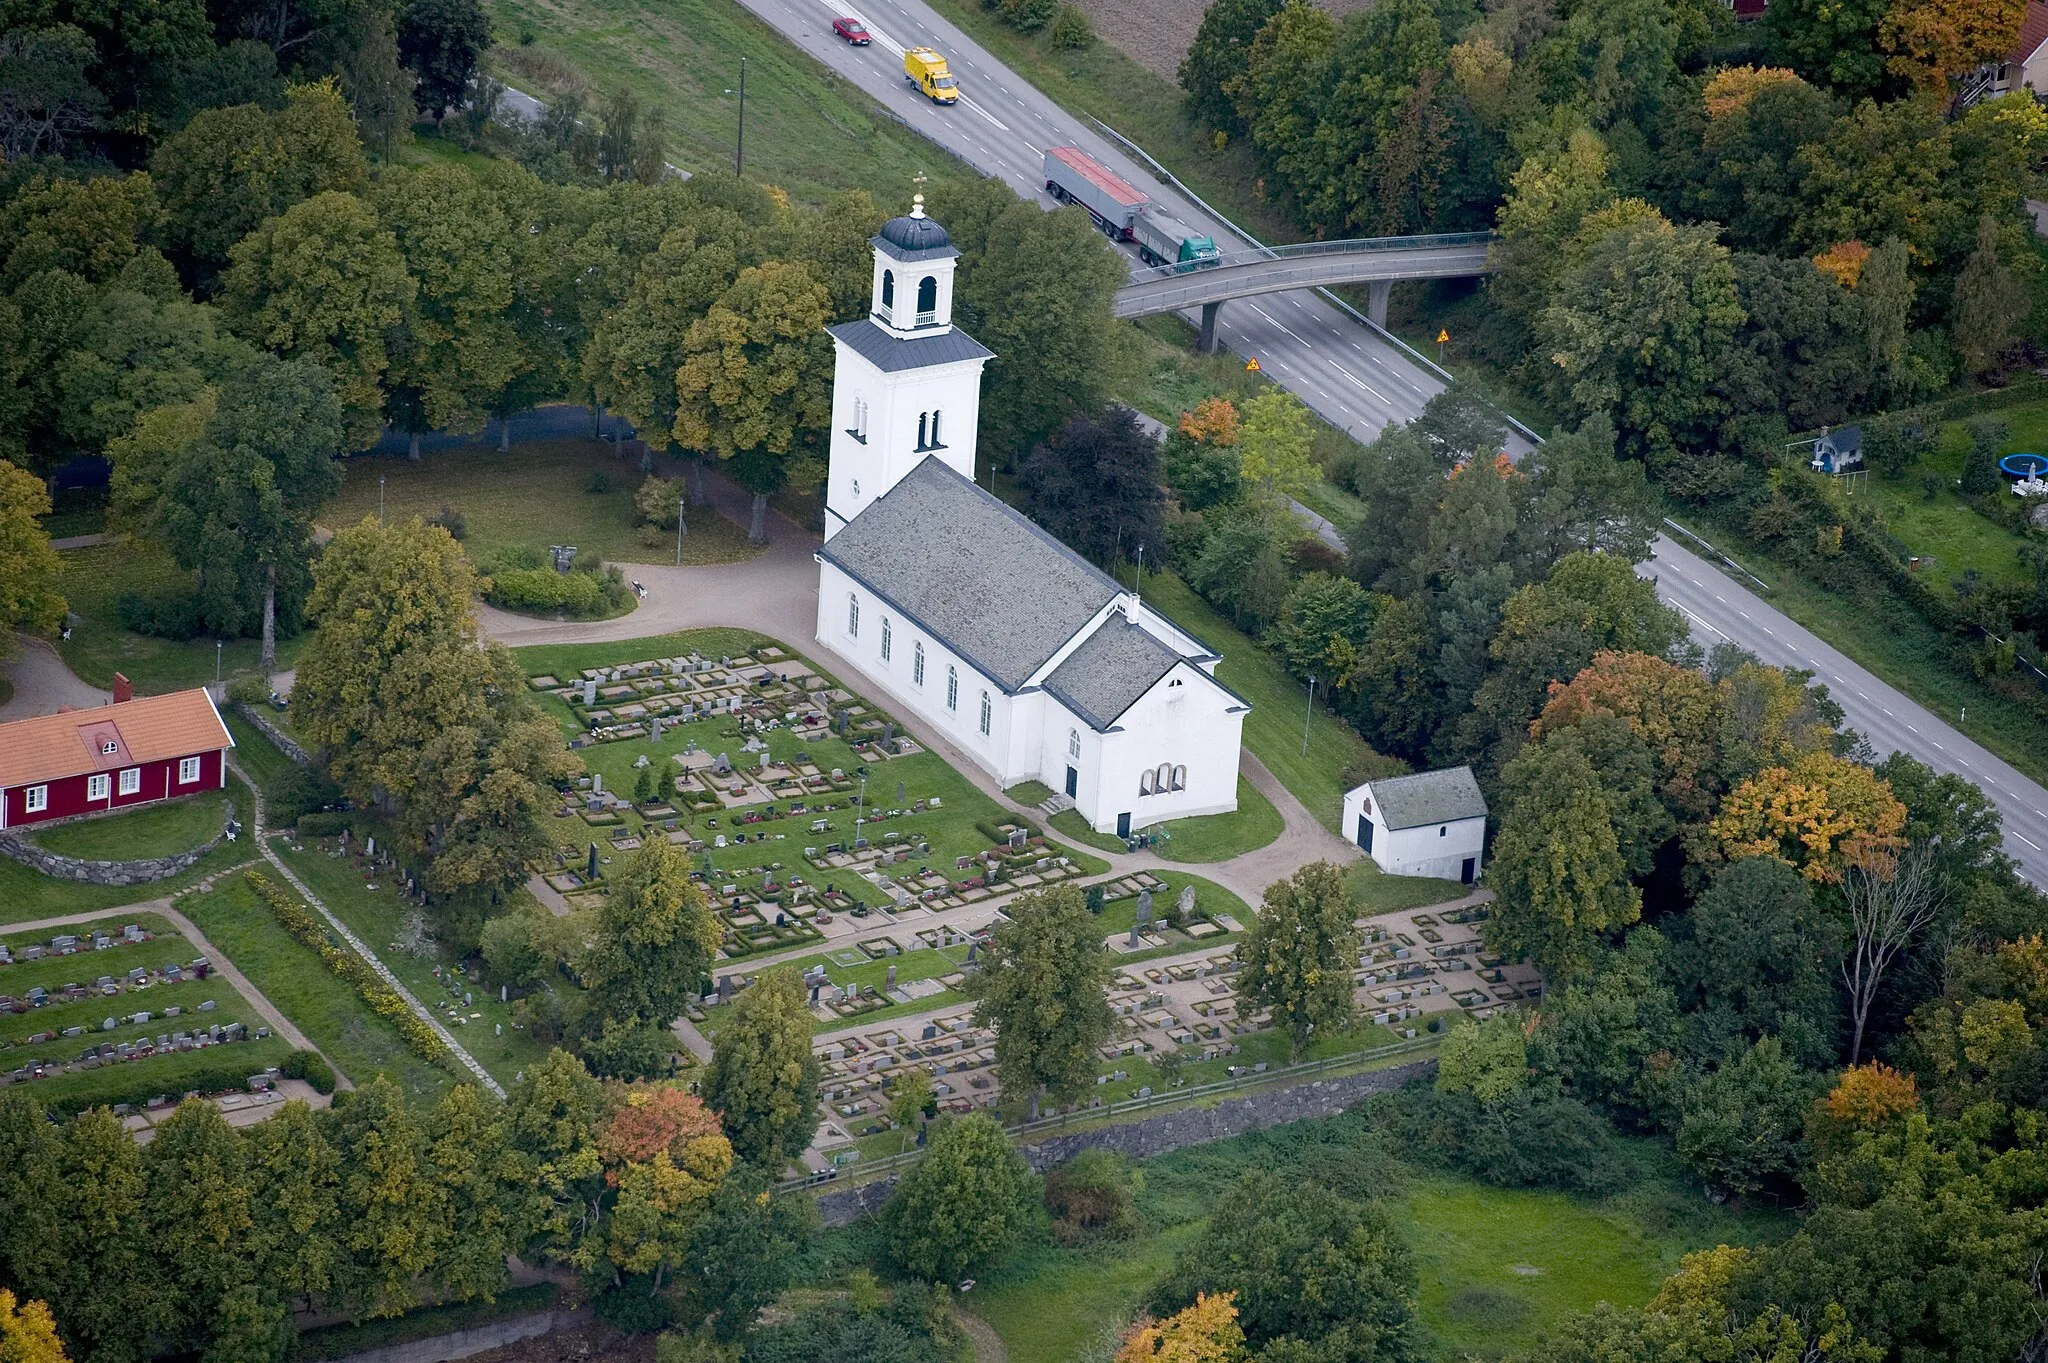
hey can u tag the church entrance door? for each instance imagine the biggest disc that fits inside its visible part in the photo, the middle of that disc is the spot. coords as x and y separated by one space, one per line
1073 783
1123 825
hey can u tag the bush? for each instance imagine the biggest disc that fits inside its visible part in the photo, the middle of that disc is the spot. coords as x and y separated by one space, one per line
162 614
598 483
301 792
584 594
322 825
995 835
249 690
309 1066
1071 31
1530 1139
451 520
1029 16
659 501
1093 1194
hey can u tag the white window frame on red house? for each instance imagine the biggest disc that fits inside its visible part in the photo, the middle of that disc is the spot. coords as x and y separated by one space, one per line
131 780
35 799
188 770
97 786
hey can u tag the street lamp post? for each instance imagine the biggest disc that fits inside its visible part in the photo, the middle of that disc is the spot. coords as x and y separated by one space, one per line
861 815
739 150
380 499
682 501
1307 715
218 644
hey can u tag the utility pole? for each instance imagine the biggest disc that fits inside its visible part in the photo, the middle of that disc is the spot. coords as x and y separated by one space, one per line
739 150
1307 715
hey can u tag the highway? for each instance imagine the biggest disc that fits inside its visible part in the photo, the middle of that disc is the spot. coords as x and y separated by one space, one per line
1351 378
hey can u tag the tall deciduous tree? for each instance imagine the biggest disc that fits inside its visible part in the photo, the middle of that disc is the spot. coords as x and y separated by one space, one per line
744 1250
440 40
1206 1332
325 281
964 1205
1095 484
1275 443
1298 956
1934 41
1558 870
655 937
46 95
1216 59
294 1181
633 355
1831 41
1991 305
29 567
394 1213
1821 815
201 1217
753 385
109 1303
28 1333
763 1081
1041 987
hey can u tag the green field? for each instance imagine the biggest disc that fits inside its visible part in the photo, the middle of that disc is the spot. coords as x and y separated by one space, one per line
1219 837
1496 1266
537 494
808 131
1373 891
1273 730
157 830
323 1006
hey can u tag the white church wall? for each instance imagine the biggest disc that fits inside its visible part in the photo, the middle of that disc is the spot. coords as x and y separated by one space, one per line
886 406
1195 726
1176 638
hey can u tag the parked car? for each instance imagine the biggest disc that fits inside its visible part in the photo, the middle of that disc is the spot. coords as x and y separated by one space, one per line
851 30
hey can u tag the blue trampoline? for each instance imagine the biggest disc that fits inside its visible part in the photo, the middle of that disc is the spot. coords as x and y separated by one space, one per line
2024 465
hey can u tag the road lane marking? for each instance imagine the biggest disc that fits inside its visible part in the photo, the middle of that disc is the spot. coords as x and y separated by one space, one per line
1362 383
1282 325
2023 838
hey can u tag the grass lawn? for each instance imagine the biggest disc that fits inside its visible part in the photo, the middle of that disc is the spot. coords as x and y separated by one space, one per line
1030 792
380 918
569 660
537 494
325 1007
1373 891
164 948
808 131
258 756
1219 837
94 581
156 830
1069 824
1273 729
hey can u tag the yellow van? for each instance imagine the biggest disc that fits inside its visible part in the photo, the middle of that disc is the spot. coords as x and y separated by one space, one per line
926 69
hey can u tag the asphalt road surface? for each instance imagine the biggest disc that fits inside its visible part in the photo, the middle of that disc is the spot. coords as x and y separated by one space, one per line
1002 126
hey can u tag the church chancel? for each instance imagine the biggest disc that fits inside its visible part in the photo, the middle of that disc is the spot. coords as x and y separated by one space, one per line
1026 656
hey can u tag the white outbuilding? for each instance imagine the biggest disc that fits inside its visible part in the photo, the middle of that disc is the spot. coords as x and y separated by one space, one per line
1430 824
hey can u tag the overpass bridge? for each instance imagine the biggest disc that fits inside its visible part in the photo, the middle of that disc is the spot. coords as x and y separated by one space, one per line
1378 262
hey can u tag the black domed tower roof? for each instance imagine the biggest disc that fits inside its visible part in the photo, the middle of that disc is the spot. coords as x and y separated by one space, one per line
914 236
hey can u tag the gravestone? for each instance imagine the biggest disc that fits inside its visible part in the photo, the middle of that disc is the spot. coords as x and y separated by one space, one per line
1186 903
890 982
593 863
724 988
723 766
1144 908
597 782
1133 939
654 729
590 691
973 950
370 847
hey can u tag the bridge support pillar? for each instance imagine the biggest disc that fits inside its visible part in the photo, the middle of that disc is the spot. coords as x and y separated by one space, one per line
1205 342
1376 295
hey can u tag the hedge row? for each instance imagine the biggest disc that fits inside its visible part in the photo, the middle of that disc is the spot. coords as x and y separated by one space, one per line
382 998
213 1070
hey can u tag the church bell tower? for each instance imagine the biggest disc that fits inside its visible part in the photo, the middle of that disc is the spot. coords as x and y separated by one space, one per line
906 383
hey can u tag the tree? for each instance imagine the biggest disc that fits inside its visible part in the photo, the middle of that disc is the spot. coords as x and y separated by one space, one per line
102 1288
1674 710
1243 566
1583 498
763 1081
1322 629
1821 815
1274 444
911 1093
753 380
665 1157
1832 41
294 1183
1896 442
200 1217
393 1212
29 567
834 243
46 96
324 281
1991 307
1934 41
1741 1127
1041 986
1216 59
482 1180
440 41
552 1117
1095 484
655 937
1760 962
1489 1060
230 170
1889 901
1298 956
1315 1274
378 85
1206 1332
964 1205
744 1250
1558 871
28 1334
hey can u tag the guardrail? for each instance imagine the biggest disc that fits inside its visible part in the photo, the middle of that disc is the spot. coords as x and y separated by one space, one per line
1717 555
1086 1115
1355 246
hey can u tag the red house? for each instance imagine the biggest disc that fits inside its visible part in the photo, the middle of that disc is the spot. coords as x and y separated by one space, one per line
132 752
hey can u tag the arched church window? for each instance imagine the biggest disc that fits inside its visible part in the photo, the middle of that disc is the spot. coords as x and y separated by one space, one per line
922 419
1163 778
952 687
888 288
1074 744
935 430
885 638
917 662
987 712
1180 778
927 300
852 616
1145 784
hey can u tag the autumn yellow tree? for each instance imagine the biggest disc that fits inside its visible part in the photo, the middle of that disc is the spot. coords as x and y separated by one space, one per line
1819 815
1934 41
1843 262
1732 87
1214 421
28 1334
1674 710
665 1156
1206 1332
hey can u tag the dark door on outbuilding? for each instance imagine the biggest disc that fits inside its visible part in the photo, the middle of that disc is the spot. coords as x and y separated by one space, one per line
1073 783
1365 832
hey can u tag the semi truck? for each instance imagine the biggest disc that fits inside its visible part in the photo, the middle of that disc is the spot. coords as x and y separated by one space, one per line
1123 211
926 69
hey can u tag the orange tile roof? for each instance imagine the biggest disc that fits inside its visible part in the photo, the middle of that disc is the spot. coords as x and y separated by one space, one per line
149 729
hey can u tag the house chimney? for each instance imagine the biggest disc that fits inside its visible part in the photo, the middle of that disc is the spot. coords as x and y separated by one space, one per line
124 689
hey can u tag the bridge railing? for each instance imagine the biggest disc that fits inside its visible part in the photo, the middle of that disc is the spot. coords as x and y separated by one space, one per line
1440 241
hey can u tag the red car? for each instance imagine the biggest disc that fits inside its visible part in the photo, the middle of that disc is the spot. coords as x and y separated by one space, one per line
851 30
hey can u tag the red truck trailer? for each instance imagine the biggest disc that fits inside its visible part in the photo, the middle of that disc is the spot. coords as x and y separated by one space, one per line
1073 176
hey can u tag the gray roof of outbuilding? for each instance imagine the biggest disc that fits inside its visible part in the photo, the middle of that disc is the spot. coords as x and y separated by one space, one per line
1111 669
1428 797
976 574
889 352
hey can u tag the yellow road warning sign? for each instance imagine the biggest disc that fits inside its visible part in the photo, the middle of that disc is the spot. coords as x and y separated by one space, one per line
1443 335
1252 364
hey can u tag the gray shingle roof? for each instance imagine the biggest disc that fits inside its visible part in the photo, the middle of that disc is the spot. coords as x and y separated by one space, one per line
1429 797
1114 666
979 576
890 353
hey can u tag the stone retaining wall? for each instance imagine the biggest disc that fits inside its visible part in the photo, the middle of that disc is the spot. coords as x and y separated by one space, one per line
1173 1130
140 872
463 1343
276 735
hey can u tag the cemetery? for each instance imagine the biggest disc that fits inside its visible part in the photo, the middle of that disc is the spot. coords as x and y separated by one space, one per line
127 996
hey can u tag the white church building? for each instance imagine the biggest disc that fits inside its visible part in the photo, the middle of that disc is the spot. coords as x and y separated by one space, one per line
1030 659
